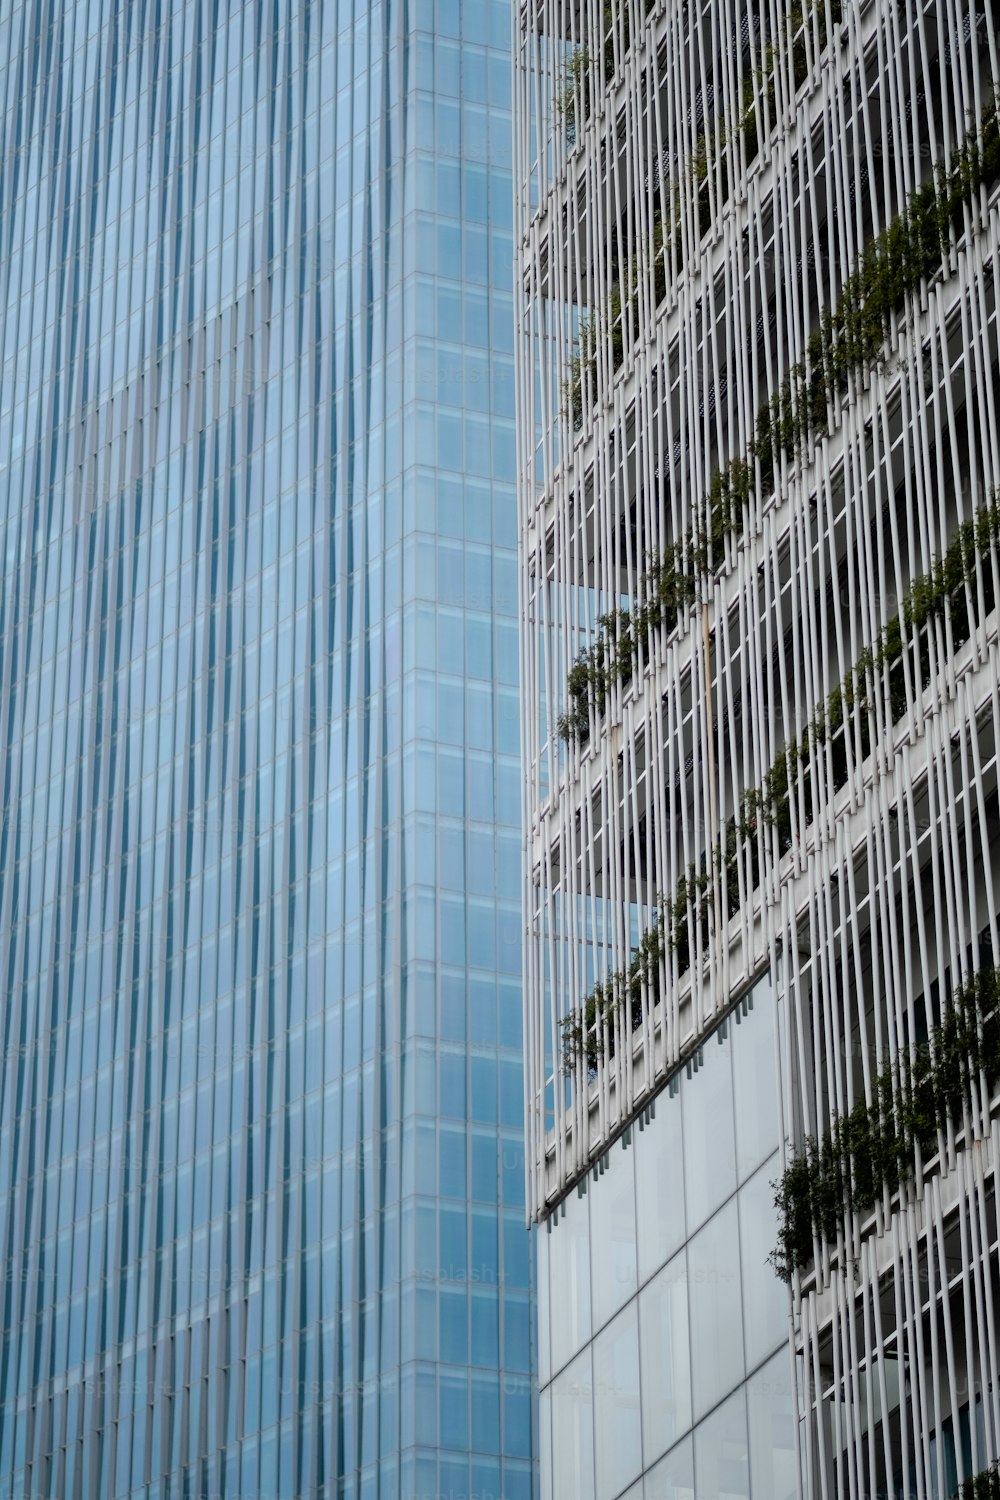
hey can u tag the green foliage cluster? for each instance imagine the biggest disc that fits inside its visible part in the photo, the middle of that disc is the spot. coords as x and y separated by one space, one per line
582 361
893 266
871 1150
768 806
583 1030
762 80
581 64
672 581
573 101
761 83
849 339
621 308
982 1486
622 299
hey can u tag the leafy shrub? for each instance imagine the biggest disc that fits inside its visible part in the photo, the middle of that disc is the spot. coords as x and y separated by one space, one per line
849 340
767 807
982 1486
872 1150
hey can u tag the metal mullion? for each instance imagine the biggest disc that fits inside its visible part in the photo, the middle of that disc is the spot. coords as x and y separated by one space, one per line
993 1385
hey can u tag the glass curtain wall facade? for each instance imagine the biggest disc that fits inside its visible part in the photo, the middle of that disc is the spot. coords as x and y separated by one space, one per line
758 250
261 1161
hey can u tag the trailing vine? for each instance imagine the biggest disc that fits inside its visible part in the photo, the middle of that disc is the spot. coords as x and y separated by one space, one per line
872 1149
768 806
849 340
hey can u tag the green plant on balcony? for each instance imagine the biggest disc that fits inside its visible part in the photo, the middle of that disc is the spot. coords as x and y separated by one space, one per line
760 82
659 244
671 581
583 1030
611 10
609 325
622 299
619 308
872 1149
573 102
583 362
850 340
767 806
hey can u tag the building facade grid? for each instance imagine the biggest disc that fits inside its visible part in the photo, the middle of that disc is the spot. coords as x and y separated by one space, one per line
261 1161
758 471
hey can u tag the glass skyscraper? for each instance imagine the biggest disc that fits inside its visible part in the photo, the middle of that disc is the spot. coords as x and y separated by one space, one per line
261 1161
757 271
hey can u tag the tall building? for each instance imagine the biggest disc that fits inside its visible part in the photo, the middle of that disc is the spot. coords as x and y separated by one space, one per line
261 1098
759 452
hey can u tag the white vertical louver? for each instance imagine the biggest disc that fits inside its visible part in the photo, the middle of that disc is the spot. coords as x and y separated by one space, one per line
782 754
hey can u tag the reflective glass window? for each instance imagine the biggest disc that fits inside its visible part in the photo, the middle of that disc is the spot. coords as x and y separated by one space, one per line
709 1137
545 1440
617 1422
771 1423
612 1238
569 1282
659 1186
755 1084
665 1358
721 1459
765 1296
716 1309
673 1477
542 1242
572 1397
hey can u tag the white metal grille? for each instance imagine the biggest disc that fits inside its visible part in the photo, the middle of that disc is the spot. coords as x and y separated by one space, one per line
696 184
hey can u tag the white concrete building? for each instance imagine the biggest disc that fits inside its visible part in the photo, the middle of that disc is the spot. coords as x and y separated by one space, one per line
759 406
